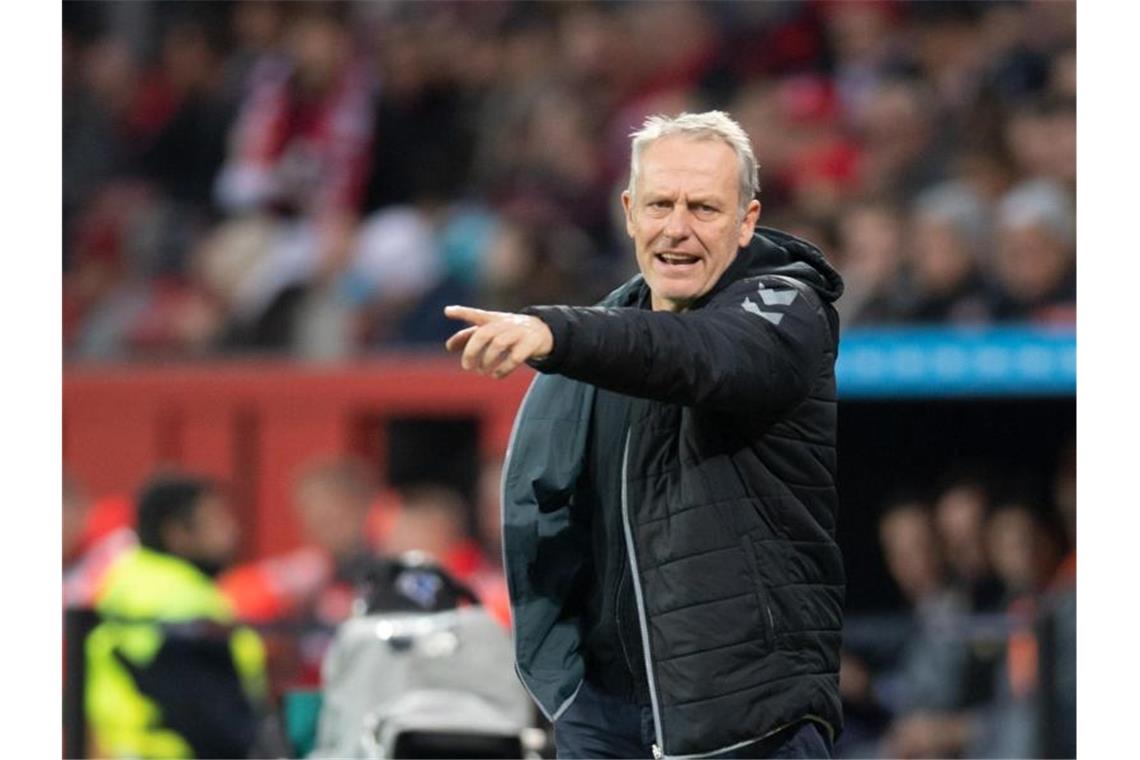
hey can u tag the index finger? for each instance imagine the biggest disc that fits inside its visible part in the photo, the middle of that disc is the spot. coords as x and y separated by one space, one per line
470 314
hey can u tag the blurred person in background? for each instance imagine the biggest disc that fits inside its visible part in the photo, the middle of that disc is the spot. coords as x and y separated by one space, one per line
880 673
960 512
870 252
183 119
931 671
301 142
313 586
1023 546
948 235
168 674
532 261
299 157
435 520
332 499
1041 135
933 666
1035 263
897 140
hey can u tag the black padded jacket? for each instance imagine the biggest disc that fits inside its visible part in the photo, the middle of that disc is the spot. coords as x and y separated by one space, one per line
728 498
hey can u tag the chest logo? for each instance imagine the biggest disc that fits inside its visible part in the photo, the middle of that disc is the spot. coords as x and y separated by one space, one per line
752 308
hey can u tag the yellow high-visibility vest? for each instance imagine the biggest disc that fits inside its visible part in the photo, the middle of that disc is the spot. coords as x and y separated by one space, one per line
149 586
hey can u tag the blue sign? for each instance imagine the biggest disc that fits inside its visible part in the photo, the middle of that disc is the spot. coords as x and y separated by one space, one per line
956 362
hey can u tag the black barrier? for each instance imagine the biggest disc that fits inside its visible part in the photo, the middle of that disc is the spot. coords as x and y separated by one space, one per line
77 623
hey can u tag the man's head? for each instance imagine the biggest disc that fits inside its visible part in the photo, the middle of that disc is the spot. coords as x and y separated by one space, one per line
1037 239
960 517
188 517
433 519
948 233
906 532
1023 546
332 498
690 204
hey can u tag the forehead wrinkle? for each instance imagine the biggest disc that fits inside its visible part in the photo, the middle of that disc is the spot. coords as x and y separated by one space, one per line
694 172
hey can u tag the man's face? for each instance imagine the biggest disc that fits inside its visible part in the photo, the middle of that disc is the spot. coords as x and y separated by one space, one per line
331 518
684 218
209 536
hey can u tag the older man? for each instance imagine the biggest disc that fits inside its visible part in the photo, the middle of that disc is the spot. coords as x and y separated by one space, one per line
669 492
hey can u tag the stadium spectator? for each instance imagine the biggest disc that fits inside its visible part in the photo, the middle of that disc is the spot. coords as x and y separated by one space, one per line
960 517
302 137
870 256
168 675
435 520
315 583
311 588
1036 257
933 665
949 232
896 134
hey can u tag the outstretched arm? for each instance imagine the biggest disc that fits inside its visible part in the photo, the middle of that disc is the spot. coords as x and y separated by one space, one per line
758 348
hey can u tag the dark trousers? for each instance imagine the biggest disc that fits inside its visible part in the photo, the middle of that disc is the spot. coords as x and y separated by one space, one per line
598 725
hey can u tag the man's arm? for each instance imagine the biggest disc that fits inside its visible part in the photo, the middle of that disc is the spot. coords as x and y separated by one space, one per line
750 349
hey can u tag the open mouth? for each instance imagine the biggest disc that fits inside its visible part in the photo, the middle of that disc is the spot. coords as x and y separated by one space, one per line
676 259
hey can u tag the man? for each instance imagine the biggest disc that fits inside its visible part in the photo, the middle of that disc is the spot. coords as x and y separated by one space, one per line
168 674
316 582
669 494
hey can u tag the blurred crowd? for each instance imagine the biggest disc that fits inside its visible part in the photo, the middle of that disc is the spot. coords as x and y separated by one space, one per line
319 179
983 663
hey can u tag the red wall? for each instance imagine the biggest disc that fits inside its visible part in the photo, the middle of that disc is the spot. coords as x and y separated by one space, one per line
254 424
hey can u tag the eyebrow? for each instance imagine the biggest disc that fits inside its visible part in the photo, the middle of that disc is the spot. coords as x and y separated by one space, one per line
710 200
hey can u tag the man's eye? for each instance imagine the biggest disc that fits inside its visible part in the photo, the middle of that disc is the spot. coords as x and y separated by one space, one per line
659 204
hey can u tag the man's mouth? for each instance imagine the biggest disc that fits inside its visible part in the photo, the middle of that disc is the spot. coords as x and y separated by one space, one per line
676 259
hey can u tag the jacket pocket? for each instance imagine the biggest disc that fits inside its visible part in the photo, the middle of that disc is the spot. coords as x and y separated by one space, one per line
762 566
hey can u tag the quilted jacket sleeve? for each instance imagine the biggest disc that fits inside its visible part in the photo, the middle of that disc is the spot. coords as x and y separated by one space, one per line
757 347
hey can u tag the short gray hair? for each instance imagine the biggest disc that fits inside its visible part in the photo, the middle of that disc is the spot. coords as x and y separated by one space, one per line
710 125
1039 201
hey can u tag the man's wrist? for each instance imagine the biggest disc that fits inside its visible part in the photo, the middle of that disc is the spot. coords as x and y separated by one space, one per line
555 321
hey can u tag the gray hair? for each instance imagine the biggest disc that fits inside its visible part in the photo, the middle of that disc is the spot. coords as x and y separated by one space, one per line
1039 201
710 125
955 204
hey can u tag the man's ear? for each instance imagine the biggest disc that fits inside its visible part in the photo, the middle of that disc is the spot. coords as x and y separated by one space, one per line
748 223
627 205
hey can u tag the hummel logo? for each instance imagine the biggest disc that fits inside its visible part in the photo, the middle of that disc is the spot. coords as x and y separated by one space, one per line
777 297
771 316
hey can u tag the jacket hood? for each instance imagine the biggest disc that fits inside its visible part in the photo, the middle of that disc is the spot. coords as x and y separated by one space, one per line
770 252
774 252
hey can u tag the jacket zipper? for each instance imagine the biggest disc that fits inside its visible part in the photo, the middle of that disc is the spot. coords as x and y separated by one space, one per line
634 573
619 609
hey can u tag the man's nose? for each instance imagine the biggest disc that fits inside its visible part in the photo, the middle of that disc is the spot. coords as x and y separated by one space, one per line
677 225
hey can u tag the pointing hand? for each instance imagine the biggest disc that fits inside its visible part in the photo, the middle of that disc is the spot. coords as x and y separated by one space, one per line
497 342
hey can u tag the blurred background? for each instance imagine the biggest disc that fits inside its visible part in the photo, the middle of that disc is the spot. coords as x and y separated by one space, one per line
267 205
